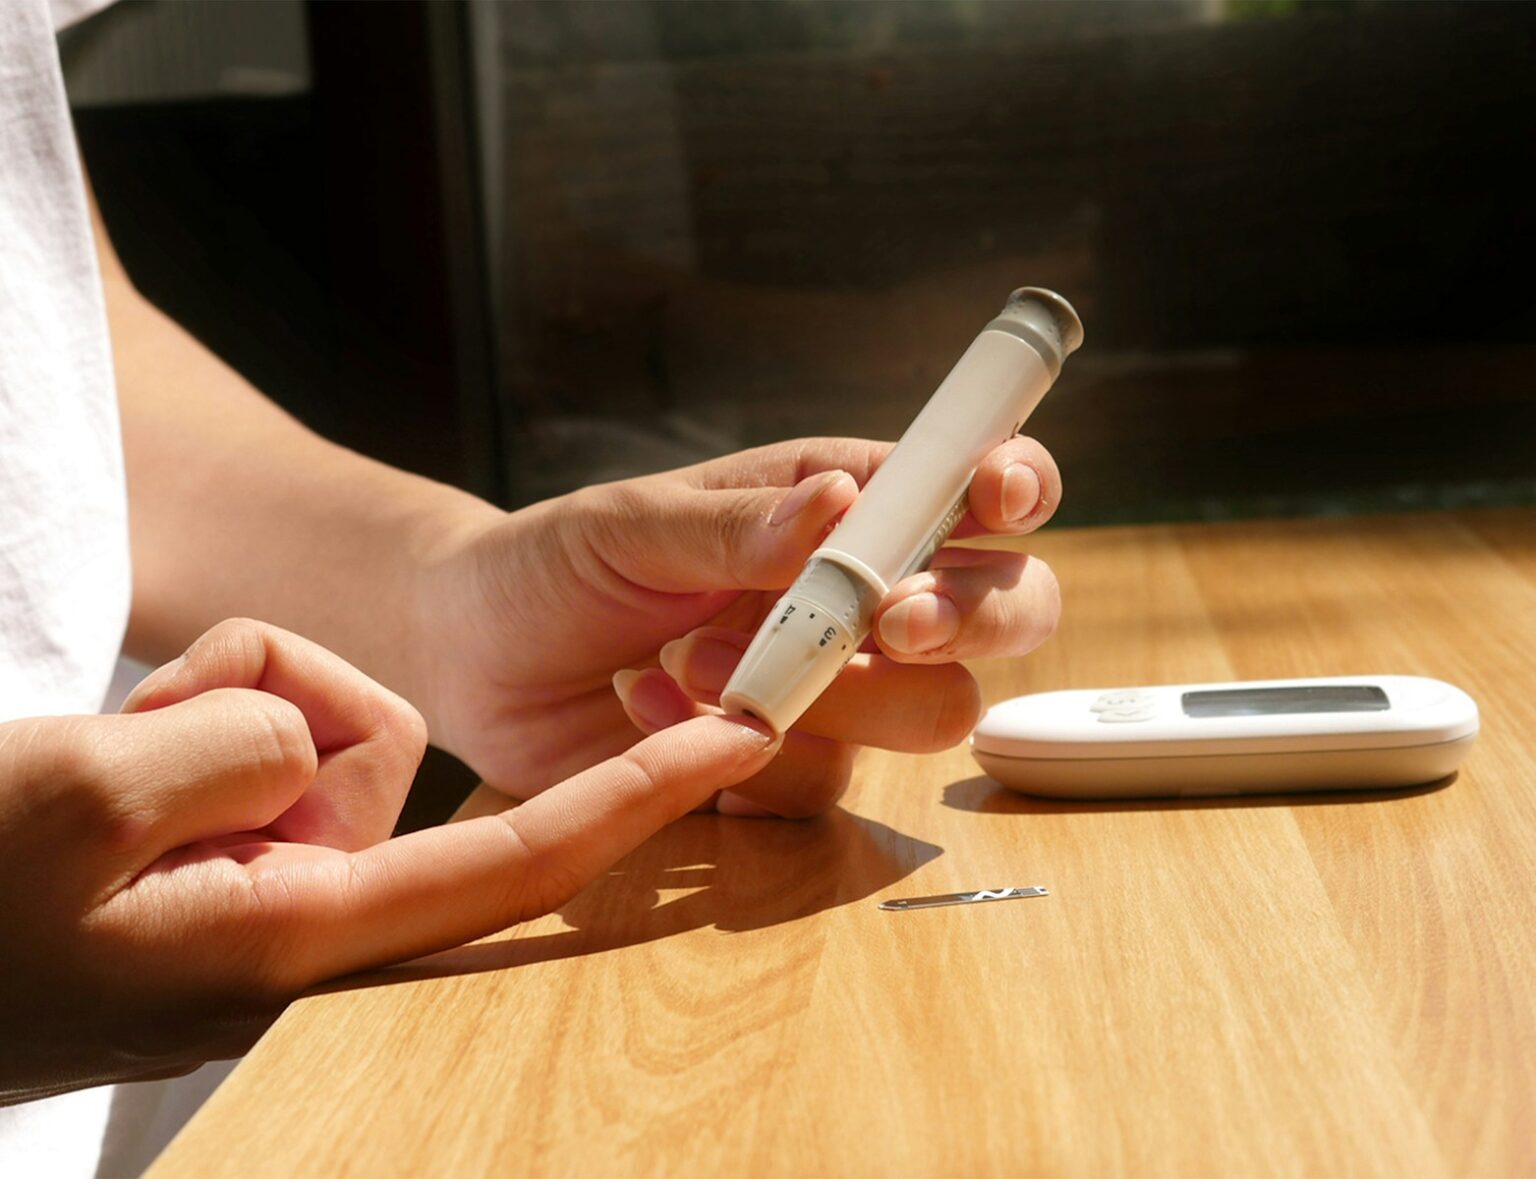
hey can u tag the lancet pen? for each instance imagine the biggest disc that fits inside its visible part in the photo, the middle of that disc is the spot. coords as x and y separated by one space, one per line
906 511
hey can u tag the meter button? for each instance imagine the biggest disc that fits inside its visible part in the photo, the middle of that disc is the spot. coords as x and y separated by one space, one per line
1120 699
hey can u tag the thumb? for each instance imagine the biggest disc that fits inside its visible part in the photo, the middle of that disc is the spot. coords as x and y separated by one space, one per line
682 539
439 888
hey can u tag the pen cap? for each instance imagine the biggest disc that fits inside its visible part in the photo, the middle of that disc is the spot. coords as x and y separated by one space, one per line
1044 320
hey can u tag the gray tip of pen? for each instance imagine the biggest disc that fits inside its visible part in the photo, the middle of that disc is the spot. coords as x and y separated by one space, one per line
1051 316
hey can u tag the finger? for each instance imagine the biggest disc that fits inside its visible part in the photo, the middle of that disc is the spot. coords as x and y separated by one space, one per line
369 740
342 704
874 701
652 700
807 777
999 503
447 885
670 536
974 604
784 464
1015 490
226 761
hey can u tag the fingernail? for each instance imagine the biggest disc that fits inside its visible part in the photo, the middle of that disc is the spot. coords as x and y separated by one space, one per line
702 664
924 622
1021 491
650 700
763 733
805 493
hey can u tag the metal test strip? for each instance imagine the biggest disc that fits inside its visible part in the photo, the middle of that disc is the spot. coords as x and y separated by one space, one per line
966 898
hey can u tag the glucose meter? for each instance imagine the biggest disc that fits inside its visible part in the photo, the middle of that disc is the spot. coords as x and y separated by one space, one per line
1340 733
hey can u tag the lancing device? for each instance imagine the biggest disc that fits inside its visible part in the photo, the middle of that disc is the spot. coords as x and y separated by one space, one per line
906 511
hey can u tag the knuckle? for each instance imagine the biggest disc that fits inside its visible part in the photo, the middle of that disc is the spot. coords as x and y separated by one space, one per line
639 775
615 521
614 508
401 726
731 532
122 829
281 742
541 883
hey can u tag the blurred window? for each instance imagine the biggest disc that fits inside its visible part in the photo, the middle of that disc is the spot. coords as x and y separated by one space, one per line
1293 229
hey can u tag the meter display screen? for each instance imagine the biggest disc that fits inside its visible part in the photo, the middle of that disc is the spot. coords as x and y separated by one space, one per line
1282 701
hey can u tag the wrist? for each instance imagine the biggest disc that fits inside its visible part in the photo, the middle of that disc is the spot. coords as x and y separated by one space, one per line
442 541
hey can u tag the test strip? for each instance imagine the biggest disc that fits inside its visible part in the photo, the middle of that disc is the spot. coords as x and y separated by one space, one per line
966 898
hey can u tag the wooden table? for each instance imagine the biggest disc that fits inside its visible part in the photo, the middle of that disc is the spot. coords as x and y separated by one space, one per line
1319 985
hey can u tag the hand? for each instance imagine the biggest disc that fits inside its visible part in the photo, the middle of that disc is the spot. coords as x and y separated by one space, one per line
532 614
171 876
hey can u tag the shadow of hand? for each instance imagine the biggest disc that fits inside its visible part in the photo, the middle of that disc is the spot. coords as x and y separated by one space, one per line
740 874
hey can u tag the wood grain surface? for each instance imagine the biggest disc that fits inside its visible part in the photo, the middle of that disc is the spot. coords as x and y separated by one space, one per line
1293 985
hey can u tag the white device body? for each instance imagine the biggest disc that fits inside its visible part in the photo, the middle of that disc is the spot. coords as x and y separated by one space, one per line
906 511
1260 736
913 502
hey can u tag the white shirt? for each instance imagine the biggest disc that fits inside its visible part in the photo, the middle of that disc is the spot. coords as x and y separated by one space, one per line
64 575
64 572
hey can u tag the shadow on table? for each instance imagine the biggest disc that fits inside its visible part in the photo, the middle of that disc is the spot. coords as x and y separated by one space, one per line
741 874
983 795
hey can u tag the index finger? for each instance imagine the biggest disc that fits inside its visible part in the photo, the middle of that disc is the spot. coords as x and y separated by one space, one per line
783 464
994 496
442 887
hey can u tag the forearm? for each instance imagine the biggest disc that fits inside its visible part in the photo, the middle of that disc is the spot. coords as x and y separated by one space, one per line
237 509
